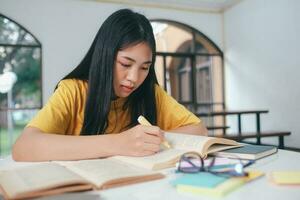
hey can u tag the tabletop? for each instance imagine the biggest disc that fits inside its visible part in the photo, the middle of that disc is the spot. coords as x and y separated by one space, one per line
261 188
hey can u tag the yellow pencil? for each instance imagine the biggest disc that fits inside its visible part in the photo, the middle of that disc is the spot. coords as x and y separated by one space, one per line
143 121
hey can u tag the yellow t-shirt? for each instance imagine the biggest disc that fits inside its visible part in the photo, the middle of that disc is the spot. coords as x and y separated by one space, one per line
64 112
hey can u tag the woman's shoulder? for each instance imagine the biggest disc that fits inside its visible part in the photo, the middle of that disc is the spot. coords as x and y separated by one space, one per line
73 85
158 87
159 90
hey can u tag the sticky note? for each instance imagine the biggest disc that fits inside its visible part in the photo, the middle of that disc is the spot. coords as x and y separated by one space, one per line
202 179
286 177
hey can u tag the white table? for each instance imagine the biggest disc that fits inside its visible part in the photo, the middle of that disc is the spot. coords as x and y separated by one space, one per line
162 189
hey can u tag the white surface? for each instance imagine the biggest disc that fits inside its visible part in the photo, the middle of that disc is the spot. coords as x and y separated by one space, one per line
262 64
162 189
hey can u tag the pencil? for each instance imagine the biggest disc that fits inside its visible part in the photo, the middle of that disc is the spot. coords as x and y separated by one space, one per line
143 121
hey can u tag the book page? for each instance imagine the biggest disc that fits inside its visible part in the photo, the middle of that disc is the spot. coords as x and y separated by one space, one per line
180 144
201 144
36 177
163 159
101 171
187 142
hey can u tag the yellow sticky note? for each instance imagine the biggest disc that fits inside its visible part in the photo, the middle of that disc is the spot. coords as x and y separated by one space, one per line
286 177
252 175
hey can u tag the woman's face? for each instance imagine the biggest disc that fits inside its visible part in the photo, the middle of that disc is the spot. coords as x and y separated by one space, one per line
131 68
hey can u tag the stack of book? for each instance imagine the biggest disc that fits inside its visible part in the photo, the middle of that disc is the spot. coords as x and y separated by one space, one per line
248 152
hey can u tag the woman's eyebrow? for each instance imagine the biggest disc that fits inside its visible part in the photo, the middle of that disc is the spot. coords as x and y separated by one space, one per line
131 59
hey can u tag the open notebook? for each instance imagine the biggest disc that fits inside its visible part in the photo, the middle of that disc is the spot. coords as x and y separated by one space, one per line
181 143
58 177
50 178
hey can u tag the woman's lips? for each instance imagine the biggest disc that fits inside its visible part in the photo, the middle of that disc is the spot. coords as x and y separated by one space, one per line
126 88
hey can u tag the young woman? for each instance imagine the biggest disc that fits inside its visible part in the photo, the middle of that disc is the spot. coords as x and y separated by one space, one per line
94 109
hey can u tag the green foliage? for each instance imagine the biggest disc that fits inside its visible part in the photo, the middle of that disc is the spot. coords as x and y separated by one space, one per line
28 72
19 49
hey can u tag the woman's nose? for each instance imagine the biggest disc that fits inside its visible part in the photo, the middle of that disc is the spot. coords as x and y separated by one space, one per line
132 75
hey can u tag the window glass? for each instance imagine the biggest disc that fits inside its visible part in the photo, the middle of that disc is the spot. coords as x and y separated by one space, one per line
190 67
20 81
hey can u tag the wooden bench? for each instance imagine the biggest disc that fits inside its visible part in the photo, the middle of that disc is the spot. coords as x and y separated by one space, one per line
217 128
239 114
258 136
240 136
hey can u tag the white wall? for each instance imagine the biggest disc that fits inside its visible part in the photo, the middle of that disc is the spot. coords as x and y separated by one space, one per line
262 62
66 29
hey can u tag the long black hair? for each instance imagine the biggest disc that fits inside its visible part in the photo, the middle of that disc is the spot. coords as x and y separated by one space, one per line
120 30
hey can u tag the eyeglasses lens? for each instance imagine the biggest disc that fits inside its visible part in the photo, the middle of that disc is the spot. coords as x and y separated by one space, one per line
193 163
190 163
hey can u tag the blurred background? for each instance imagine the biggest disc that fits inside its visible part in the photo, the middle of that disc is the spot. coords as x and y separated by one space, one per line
213 56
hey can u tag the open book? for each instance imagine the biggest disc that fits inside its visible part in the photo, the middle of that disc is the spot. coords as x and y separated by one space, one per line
181 143
57 177
66 176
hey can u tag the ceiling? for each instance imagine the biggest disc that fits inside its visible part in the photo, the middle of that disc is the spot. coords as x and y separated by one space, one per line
188 5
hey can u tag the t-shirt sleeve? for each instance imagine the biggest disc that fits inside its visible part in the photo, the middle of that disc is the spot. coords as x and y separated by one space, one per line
171 114
55 116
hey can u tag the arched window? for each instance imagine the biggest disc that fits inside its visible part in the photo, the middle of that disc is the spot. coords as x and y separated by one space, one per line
190 67
20 80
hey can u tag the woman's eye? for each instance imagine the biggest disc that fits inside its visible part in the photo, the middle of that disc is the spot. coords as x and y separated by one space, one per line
145 67
125 65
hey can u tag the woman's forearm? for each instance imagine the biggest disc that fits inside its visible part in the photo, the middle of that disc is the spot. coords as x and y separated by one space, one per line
34 145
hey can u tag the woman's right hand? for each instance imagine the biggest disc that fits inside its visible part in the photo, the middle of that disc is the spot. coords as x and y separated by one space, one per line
140 140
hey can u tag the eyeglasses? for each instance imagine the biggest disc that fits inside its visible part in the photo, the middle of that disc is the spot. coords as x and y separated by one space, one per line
192 162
